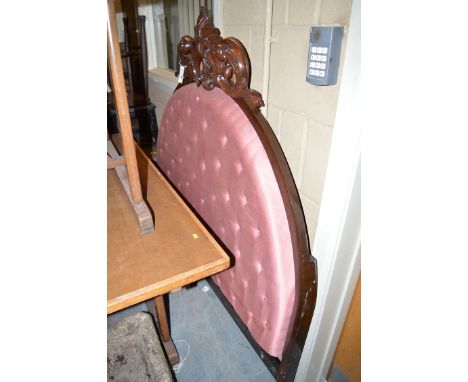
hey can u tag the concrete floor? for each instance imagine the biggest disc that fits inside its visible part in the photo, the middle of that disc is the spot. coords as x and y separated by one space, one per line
211 346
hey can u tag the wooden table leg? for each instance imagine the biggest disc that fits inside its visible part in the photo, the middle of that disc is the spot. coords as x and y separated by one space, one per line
162 318
158 310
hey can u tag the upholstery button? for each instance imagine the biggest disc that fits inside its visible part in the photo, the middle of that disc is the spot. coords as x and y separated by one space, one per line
245 284
217 164
202 201
226 196
267 324
243 200
204 125
265 299
236 226
223 141
256 233
258 267
238 167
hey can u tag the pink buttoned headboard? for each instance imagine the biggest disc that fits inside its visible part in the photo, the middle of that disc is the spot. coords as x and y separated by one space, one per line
219 151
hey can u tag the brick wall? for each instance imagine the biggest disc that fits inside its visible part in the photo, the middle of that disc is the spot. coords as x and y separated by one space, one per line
302 115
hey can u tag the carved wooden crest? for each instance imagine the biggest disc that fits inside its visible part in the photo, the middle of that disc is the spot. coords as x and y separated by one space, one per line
211 60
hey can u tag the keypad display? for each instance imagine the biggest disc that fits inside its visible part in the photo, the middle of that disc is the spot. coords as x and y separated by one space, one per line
318 60
323 57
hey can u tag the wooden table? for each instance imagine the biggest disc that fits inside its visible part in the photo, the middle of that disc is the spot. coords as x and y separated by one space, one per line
179 251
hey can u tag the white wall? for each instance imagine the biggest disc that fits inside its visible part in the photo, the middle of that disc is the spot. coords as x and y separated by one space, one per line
338 245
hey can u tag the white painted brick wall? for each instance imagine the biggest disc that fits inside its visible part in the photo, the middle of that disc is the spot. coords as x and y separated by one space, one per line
301 115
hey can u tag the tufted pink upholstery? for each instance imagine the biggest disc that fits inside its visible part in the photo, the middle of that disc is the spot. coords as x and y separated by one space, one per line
211 152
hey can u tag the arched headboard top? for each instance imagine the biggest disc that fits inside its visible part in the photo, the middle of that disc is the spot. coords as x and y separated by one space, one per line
219 150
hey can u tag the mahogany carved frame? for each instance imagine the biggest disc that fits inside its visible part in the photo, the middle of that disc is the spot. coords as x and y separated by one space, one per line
211 61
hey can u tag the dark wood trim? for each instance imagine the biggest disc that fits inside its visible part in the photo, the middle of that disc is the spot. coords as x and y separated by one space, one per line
211 61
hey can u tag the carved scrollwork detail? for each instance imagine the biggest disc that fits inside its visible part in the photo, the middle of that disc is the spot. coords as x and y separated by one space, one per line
211 60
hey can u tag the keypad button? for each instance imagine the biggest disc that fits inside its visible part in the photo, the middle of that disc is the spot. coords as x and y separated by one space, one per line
323 58
324 50
314 49
311 72
321 73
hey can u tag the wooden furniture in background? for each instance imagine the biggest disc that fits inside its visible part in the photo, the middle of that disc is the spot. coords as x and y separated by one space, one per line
135 57
128 174
144 267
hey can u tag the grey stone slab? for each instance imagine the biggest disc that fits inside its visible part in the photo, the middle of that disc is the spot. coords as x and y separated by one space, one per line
134 353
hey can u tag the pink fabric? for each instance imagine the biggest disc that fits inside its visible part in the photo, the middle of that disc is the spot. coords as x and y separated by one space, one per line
211 152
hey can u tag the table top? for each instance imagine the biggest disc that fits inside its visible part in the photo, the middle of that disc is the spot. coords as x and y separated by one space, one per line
180 250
